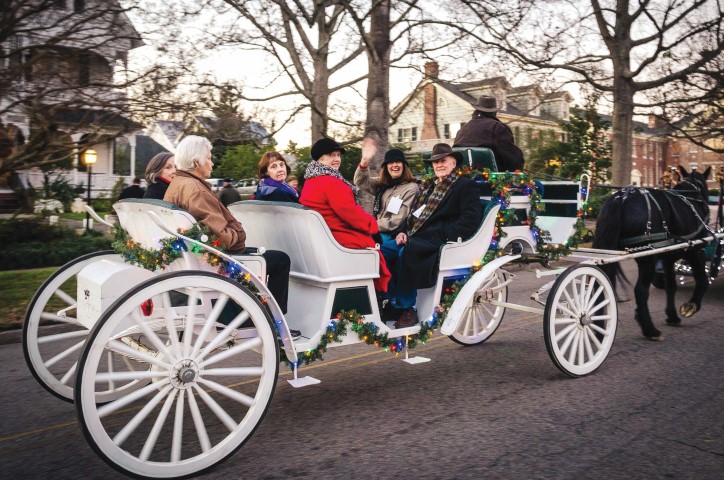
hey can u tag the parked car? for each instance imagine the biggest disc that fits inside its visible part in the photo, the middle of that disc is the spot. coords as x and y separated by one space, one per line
246 187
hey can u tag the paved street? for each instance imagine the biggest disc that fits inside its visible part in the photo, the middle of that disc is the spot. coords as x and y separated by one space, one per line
499 410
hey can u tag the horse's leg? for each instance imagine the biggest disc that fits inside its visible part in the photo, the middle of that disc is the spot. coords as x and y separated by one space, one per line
647 267
698 269
672 318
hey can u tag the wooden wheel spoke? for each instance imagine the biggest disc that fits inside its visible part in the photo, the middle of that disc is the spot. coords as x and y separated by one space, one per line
201 432
178 426
137 419
64 354
130 398
157 425
209 324
228 392
235 350
220 413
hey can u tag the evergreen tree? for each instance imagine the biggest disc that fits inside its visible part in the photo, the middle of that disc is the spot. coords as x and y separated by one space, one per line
584 149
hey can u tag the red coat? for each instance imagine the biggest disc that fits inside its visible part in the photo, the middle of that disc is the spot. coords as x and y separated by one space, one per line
351 226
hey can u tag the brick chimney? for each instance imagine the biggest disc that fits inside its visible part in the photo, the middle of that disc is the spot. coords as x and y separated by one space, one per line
429 126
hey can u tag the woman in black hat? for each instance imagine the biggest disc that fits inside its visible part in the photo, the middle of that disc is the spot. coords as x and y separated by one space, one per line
329 193
395 190
447 209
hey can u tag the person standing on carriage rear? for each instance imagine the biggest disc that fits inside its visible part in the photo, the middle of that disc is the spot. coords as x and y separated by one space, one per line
327 192
448 209
485 130
190 191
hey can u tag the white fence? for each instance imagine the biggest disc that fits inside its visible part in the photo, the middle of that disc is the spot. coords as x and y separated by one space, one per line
101 183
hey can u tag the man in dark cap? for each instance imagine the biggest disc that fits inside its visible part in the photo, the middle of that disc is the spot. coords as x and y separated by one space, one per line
228 194
485 130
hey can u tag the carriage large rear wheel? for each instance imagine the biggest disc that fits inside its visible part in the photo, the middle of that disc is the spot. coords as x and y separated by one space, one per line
580 320
52 353
211 375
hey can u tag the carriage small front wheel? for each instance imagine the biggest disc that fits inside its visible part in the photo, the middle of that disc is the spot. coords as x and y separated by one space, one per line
580 319
480 320
208 350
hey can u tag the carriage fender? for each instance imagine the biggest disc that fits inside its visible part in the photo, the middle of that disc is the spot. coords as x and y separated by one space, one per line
466 294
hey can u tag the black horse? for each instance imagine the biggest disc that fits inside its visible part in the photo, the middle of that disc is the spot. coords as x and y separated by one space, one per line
636 217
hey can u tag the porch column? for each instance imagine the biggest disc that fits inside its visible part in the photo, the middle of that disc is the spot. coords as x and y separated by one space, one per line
76 155
132 144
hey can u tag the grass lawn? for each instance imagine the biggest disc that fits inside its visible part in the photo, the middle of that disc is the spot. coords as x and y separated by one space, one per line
19 286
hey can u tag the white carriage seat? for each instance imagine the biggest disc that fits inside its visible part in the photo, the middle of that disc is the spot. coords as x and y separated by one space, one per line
304 235
464 254
133 215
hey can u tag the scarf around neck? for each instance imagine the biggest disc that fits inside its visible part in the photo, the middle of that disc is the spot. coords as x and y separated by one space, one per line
430 198
267 186
380 191
316 169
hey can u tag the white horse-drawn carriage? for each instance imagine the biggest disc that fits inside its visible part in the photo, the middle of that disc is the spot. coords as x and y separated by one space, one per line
172 370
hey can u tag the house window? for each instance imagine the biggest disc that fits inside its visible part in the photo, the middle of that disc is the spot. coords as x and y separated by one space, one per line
78 5
446 129
84 69
407 134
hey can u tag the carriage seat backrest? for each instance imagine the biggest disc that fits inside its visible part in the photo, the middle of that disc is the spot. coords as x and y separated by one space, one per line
304 235
133 217
470 251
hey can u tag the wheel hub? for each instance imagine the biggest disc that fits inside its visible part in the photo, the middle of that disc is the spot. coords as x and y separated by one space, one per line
184 374
586 320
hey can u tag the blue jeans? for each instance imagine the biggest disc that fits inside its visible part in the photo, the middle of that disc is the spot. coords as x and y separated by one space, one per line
399 298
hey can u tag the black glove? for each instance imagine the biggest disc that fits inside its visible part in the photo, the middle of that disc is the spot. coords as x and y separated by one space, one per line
377 238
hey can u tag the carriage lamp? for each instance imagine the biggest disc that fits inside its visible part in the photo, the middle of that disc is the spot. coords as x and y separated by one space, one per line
89 158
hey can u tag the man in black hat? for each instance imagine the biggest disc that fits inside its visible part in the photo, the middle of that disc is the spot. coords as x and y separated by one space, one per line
485 130
228 194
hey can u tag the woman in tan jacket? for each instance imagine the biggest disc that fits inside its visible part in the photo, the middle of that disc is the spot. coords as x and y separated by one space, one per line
395 190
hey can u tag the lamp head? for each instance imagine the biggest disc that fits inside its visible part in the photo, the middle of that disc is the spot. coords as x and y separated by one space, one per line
90 156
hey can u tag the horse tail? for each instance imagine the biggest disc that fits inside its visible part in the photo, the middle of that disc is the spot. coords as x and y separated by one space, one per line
608 235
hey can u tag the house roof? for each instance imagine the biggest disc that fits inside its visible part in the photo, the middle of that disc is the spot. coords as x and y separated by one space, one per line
461 91
98 118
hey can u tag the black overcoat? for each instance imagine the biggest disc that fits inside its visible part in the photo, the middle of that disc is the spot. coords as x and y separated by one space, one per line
458 215
493 134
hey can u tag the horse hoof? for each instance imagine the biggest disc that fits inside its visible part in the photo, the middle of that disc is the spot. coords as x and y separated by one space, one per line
673 322
656 338
687 310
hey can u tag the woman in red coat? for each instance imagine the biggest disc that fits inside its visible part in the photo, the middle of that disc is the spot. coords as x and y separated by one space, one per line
327 192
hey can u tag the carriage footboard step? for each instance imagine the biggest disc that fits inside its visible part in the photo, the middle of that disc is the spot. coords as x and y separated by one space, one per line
298 382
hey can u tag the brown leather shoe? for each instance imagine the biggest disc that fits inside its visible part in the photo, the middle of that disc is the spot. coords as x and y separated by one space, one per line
407 319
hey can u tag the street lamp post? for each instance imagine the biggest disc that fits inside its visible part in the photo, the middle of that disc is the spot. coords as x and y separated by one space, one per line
89 158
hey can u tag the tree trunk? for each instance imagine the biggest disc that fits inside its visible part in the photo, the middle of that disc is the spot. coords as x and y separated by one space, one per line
622 129
377 123
320 88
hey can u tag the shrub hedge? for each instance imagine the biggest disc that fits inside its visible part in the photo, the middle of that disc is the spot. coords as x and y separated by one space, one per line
30 243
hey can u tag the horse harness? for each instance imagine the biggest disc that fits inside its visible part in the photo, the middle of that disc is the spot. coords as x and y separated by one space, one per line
664 238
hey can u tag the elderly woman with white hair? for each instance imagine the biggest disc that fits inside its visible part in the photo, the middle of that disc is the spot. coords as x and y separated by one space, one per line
190 191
